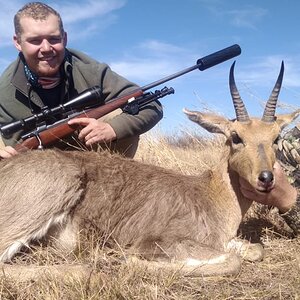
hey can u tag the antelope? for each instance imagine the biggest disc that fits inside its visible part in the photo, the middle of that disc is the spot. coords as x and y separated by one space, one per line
162 219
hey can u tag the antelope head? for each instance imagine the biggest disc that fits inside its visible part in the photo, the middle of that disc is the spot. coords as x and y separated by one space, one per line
251 140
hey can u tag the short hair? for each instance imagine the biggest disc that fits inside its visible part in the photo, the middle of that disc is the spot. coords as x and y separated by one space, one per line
36 11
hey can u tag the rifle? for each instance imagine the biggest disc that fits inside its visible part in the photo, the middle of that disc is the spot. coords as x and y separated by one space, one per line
51 125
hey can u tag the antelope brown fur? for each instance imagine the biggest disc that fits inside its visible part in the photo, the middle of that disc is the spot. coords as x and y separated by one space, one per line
168 220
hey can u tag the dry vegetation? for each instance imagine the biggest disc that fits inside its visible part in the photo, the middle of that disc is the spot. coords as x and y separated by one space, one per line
277 277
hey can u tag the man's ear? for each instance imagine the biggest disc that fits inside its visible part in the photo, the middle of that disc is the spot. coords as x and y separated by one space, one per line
65 39
16 41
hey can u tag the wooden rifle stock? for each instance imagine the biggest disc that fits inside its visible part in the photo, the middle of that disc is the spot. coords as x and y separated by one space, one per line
59 131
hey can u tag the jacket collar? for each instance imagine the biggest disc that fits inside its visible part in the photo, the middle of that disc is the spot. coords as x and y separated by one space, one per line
19 79
20 82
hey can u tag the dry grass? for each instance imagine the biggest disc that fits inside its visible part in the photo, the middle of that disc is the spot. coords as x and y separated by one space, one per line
276 277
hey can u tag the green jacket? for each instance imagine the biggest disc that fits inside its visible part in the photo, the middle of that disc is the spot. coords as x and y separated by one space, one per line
85 73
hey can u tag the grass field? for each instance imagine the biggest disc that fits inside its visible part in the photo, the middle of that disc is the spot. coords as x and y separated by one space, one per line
276 277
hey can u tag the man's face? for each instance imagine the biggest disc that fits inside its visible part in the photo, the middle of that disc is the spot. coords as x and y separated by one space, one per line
42 44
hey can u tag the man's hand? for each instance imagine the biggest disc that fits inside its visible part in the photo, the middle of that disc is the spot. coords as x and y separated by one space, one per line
7 152
94 131
282 196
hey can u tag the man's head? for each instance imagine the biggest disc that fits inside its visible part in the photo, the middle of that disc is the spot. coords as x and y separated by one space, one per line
40 36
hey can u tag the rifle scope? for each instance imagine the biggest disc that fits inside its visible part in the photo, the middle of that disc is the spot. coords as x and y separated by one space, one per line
86 99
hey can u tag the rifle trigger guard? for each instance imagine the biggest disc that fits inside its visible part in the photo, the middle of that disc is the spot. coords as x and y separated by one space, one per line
40 146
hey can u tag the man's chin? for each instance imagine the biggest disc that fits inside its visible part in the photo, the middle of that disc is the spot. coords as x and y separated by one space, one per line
48 72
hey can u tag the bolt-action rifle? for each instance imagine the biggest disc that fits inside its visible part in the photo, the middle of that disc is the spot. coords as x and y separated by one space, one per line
51 124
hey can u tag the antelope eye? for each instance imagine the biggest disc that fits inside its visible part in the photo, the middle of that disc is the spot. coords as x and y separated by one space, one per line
236 139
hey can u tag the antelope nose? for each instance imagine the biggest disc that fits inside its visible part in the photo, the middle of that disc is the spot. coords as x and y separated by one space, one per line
266 177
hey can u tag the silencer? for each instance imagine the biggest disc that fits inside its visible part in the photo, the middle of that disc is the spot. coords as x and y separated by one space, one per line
218 57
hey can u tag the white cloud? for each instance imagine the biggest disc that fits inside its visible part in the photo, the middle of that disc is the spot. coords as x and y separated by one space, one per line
75 12
160 47
153 59
266 69
255 80
247 16
143 69
95 14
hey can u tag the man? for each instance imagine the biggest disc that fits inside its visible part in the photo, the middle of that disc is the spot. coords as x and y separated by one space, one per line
47 74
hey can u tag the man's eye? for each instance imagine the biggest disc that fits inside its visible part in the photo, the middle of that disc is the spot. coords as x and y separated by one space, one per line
55 40
51 40
35 41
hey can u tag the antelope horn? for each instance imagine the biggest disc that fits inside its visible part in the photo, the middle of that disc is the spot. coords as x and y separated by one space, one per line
269 113
240 109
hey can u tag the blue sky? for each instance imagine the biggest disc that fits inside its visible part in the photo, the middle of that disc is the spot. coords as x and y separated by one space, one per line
148 40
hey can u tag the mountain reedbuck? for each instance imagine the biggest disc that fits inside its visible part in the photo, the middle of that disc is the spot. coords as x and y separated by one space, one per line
162 219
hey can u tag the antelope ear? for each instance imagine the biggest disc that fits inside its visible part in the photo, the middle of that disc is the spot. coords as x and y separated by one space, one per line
211 122
285 119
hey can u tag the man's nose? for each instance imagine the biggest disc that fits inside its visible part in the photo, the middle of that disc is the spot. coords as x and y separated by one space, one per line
45 45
